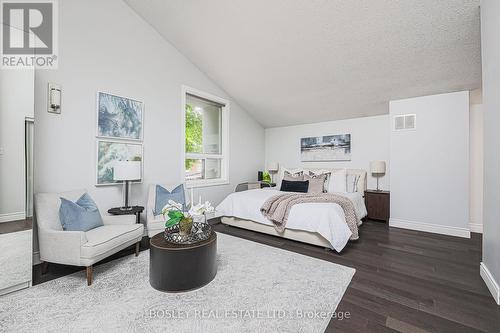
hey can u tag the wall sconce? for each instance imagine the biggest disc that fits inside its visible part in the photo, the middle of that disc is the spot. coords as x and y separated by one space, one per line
54 98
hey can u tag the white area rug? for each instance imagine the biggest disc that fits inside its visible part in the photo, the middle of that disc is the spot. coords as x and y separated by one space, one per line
258 288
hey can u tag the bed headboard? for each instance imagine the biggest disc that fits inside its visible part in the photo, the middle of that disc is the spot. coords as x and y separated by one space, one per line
362 186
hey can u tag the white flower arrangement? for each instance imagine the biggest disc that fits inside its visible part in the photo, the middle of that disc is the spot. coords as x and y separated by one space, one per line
201 209
174 213
170 206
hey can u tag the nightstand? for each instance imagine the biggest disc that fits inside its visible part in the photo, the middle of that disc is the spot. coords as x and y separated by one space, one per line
136 210
378 204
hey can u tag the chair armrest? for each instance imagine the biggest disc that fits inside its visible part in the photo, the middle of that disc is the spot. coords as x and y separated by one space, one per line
60 246
118 219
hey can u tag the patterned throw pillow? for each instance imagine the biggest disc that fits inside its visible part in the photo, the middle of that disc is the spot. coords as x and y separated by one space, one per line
296 176
327 173
316 183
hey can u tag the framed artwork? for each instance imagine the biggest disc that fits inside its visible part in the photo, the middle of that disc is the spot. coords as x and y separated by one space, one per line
108 152
119 117
326 148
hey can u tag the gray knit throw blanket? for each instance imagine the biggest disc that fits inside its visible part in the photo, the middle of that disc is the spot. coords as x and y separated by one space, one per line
277 208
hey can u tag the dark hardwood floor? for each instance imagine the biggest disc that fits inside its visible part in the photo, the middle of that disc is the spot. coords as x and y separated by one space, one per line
405 281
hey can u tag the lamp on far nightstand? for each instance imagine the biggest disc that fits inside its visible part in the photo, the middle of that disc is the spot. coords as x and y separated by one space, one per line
127 171
377 168
273 168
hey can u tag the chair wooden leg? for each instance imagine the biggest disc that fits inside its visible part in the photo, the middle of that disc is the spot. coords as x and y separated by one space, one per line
137 246
89 275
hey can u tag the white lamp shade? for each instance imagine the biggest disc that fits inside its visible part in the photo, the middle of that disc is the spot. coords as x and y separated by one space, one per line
273 166
377 167
127 170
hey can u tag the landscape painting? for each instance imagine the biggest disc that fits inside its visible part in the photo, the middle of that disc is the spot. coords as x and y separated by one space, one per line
119 117
326 148
108 152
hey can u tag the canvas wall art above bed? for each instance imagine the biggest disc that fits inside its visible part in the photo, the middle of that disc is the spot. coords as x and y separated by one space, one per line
326 148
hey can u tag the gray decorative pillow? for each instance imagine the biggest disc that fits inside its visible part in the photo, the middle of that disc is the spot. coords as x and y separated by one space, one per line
296 176
327 174
352 183
316 183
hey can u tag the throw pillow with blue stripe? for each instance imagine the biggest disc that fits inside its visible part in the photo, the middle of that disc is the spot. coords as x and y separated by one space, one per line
163 195
82 215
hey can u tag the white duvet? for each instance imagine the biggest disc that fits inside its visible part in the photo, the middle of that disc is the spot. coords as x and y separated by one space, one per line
327 219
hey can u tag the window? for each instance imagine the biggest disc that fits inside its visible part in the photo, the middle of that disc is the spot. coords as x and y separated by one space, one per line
206 119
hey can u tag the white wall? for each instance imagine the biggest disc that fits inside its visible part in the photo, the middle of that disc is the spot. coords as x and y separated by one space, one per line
476 160
490 25
430 165
105 46
16 103
369 141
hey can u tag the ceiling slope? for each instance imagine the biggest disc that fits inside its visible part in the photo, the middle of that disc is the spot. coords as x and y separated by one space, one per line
302 61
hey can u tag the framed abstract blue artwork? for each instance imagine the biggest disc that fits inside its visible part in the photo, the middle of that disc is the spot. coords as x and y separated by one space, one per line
326 148
119 117
108 152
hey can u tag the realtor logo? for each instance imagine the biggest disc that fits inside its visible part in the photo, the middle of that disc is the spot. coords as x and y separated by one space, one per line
29 34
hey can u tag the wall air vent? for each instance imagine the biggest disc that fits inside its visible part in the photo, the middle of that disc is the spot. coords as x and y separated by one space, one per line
405 122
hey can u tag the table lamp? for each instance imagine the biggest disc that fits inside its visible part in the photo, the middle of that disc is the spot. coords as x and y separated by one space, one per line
377 168
273 167
127 171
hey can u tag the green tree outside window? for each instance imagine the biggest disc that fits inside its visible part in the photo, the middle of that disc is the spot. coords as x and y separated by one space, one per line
194 133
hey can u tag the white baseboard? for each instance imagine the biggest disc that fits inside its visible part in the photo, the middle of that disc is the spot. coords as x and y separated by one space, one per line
12 217
428 227
490 282
476 227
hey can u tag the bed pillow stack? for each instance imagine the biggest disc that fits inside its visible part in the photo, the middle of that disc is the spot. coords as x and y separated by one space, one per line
322 180
335 179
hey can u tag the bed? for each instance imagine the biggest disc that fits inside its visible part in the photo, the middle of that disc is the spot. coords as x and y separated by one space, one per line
321 224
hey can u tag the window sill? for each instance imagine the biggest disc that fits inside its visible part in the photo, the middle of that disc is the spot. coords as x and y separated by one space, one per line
206 183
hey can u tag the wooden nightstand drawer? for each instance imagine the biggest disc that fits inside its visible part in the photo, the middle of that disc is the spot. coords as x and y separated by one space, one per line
378 204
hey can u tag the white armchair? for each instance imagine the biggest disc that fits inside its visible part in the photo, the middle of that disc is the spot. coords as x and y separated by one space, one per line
156 223
81 248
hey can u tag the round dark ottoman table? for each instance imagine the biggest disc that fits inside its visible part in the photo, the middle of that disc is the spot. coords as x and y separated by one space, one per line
181 267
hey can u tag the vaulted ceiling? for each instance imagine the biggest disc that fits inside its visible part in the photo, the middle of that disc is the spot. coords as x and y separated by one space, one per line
302 61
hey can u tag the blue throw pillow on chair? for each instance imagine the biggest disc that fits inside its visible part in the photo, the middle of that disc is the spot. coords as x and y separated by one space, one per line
82 215
163 195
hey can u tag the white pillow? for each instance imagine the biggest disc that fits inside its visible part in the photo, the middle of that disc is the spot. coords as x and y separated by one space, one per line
338 181
352 183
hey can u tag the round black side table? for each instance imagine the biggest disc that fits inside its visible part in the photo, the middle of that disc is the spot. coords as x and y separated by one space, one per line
180 267
135 210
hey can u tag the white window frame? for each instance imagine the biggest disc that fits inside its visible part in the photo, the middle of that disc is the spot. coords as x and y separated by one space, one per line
224 156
